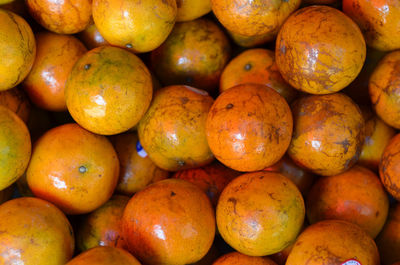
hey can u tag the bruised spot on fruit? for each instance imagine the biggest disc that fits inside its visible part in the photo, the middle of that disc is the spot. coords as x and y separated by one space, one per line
184 100
129 46
247 66
173 194
82 169
229 106
234 202
87 66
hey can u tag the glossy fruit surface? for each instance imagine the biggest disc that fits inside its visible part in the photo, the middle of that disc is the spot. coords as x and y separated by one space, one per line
388 241
236 258
104 255
91 37
17 101
389 167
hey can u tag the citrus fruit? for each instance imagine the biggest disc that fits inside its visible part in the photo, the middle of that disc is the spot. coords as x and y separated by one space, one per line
104 255
389 167
16 100
236 258
192 9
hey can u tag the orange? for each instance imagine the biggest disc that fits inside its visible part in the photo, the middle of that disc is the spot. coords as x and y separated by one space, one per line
137 170
260 213
15 147
73 168
333 242
104 255
17 49
55 56
249 127
388 241
16 100
169 222
63 17
108 90
91 37
389 167
384 89
195 53
256 66
34 232
173 131
236 258
319 50
250 18
328 133
140 26
192 9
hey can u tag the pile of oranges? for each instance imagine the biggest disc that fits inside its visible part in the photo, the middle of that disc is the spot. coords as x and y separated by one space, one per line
220 132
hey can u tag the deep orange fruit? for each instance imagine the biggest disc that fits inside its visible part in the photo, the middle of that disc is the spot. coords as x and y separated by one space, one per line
16 100
104 255
91 37
260 213
388 240
237 258
169 222
319 50
389 167
192 9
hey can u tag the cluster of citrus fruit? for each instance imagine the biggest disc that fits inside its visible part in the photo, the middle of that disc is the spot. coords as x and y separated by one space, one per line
200 132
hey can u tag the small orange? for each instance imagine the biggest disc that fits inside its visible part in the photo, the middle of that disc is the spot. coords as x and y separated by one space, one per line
91 37
104 255
73 168
388 241
319 50
108 90
236 258
169 222
16 100
55 56
34 232
333 242
173 131
260 213
17 49
389 167
328 133
140 26
192 9
249 127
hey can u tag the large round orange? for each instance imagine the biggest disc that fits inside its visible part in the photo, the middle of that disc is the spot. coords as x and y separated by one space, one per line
319 50
249 127
16 100
34 232
91 37
63 17
192 9
55 56
73 168
389 167
169 222
237 258
195 53
333 242
173 131
140 26
384 89
260 213
15 147
104 255
17 49
108 90
250 18
328 133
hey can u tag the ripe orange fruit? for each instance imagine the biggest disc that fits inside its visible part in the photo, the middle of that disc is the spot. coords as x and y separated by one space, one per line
104 255
249 127
319 50
169 222
34 232
388 240
389 167
173 130
91 37
55 56
328 133
260 213
73 168
108 90
236 258
333 242
140 26
194 54
192 9
16 100
17 49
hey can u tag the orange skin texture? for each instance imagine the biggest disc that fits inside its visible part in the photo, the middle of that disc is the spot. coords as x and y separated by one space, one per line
212 179
16 100
91 37
140 26
34 232
319 50
17 49
328 133
108 90
253 17
333 242
73 168
260 213
236 258
173 130
194 54
388 240
192 9
102 227
249 127
256 66
389 167
384 89
55 56
169 222
356 196
104 255
378 20
15 147
136 172
62 17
